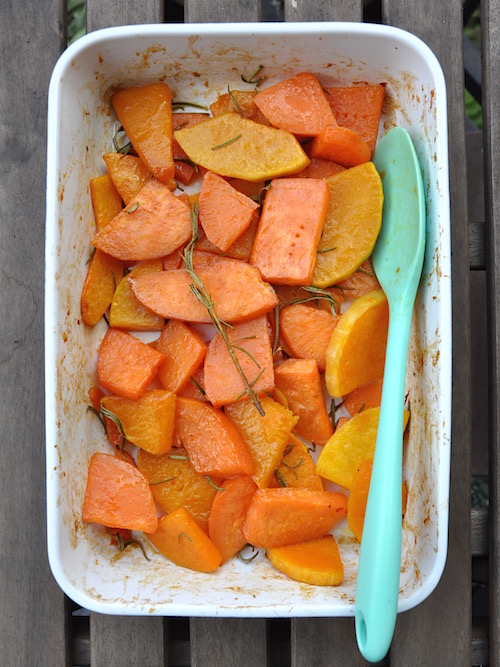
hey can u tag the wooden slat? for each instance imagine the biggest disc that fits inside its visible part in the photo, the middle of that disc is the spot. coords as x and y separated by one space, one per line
222 11
319 10
439 24
109 13
32 607
490 21
228 641
115 639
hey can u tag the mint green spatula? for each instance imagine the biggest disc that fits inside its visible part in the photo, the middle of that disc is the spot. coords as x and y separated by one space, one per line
398 259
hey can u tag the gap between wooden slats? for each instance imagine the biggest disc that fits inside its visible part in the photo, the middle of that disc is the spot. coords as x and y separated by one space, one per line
420 639
121 640
490 22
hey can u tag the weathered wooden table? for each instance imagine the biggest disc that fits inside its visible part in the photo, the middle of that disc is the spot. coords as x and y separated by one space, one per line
38 625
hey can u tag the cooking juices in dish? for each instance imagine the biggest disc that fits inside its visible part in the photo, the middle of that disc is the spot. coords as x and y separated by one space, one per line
223 436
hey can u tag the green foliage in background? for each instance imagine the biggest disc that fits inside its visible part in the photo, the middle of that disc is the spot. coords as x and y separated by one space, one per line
76 19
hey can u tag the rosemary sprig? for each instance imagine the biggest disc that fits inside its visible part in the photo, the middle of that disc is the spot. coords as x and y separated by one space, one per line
227 143
178 104
114 418
185 535
361 408
198 385
251 79
332 413
212 483
249 354
163 481
281 480
122 544
276 342
178 457
233 100
133 208
91 254
248 559
187 161
327 249
318 295
121 142
251 384
367 273
91 409
200 292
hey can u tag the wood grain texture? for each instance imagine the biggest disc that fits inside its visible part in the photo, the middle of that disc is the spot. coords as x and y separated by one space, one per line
439 24
113 638
107 13
227 642
32 608
222 11
490 21
323 10
116 641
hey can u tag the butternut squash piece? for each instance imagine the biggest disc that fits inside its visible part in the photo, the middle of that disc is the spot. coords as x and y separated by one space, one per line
298 105
278 517
211 440
341 145
106 200
146 115
265 437
367 396
117 495
180 539
233 146
175 483
223 212
300 382
289 230
154 225
240 249
252 347
306 332
148 422
239 101
352 224
228 514
184 352
356 351
316 562
297 469
128 173
348 447
236 288
126 311
126 365
99 286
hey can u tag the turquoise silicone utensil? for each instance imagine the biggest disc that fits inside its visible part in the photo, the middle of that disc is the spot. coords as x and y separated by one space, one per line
398 259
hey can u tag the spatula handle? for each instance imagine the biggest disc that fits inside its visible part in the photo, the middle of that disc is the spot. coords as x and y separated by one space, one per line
380 554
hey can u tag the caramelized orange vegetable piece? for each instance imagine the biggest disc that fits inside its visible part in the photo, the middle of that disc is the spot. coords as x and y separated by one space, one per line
341 145
228 513
278 517
240 249
106 200
239 101
252 347
181 540
118 495
212 442
356 351
148 422
224 212
126 365
237 290
154 225
298 105
175 483
367 396
289 230
297 469
146 115
126 311
266 437
306 332
300 382
321 169
362 281
359 109
128 173
233 146
99 286
315 562
184 352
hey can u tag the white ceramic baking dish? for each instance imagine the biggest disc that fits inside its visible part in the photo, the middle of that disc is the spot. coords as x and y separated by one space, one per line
198 61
